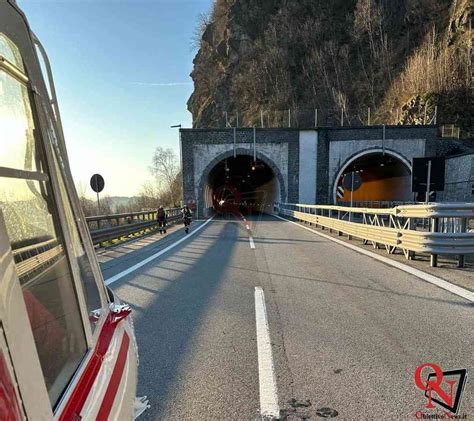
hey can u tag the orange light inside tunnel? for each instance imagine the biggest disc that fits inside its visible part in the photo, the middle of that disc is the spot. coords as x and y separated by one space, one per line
384 178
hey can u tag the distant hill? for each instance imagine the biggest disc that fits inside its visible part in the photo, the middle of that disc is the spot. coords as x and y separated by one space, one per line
116 201
401 58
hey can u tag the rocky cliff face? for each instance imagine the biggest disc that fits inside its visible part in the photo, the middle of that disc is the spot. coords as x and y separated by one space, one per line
401 58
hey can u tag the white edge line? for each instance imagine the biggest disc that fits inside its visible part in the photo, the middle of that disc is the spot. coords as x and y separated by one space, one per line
133 268
448 286
252 243
266 370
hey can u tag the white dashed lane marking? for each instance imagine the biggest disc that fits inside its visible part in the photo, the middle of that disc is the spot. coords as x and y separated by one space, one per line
266 370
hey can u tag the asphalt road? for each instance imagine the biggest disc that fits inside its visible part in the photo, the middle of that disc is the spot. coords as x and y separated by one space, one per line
347 332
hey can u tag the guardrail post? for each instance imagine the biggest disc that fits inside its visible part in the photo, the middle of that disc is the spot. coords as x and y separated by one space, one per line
330 216
349 237
411 226
463 229
339 233
434 228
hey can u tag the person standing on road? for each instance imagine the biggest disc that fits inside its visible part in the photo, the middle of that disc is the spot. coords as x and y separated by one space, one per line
186 218
161 217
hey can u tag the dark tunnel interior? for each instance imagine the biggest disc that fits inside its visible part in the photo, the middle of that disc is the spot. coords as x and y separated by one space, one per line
242 185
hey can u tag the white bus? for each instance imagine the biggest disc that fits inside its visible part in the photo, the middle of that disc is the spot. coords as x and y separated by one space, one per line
67 346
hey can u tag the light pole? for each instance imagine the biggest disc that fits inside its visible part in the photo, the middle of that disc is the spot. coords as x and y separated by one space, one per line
178 126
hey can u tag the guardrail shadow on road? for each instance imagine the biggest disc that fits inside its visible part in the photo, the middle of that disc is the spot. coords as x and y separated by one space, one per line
166 326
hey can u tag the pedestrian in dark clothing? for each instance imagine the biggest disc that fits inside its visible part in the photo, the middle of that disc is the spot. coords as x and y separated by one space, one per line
187 214
161 217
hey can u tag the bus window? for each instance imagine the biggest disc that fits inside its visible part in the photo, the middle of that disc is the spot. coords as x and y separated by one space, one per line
16 124
10 52
35 235
91 291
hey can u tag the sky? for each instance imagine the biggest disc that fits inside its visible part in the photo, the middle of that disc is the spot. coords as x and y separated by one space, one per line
121 71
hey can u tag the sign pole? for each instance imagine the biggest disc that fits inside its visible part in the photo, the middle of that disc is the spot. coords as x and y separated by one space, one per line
96 182
428 183
235 136
254 144
352 189
98 204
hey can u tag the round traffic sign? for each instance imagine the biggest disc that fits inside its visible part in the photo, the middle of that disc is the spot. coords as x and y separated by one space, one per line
352 184
97 183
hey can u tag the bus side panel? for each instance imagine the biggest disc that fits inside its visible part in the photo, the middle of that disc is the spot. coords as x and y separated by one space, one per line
106 383
10 407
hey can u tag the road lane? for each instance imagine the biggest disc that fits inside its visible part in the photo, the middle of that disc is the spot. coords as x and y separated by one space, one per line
347 331
353 330
195 326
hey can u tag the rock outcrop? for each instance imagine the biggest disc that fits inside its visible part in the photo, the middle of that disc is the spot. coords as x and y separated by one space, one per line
401 58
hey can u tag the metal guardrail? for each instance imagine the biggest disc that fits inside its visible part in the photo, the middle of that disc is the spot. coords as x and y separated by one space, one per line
375 203
30 259
111 227
437 228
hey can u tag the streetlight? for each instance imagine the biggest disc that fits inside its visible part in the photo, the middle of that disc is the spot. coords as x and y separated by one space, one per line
178 126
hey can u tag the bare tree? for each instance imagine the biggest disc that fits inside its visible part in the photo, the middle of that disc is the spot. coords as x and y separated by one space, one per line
203 20
165 168
89 207
148 197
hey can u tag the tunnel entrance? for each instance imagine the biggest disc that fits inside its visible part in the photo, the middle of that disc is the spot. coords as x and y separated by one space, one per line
242 185
385 178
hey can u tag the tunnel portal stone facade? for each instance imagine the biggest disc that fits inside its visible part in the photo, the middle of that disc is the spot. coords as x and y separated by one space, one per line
307 162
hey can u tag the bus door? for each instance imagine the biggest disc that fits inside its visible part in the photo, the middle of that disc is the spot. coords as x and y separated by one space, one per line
60 332
17 347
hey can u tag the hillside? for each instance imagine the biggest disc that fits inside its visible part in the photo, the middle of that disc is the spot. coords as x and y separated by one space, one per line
401 58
